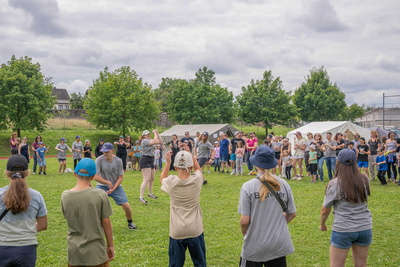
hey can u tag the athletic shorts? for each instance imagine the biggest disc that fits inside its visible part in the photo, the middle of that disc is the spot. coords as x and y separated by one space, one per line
346 240
202 161
232 157
363 164
42 162
298 156
118 194
278 155
224 158
146 162
62 160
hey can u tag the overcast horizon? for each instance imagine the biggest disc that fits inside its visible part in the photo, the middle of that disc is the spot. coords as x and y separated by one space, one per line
73 40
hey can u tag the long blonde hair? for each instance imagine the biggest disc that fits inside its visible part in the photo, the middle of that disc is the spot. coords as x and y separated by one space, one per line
272 181
17 197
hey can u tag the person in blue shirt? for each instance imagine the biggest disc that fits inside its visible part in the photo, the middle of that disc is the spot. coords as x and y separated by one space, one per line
382 166
40 155
224 152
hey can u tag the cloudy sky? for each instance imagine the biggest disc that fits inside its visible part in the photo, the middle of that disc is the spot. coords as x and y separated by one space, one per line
73 40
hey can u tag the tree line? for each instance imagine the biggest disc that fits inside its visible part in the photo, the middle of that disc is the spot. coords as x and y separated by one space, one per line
120 100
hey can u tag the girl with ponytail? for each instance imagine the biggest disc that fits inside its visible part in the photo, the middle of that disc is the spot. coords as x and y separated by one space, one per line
263 223
22 214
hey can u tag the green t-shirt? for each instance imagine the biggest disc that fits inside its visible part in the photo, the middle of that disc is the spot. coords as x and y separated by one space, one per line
84 210
312 155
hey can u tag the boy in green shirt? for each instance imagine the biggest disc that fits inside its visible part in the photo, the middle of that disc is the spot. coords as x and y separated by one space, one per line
87 211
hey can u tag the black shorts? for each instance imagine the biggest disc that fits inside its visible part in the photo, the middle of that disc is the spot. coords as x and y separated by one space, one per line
279 262
202 161
146 162
278 155
313 168
62 160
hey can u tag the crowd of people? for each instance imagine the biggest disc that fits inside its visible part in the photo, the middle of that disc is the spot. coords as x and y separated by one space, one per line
266 203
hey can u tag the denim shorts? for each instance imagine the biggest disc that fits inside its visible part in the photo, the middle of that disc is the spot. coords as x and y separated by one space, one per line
118 194
224 158
42 162
346 240
363 164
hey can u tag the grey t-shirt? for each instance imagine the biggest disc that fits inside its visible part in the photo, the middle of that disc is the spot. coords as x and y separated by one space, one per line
79 146
204 149
329 152
109 170
147 149
62 154
267 236
276 146
308 143
348 217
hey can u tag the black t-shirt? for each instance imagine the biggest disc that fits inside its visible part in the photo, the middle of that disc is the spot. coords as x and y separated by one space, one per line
373 146
362 157
190 140
234 142
121 148
338 144
88 153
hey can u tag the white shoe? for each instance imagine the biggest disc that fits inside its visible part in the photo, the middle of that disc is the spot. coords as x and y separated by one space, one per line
232 173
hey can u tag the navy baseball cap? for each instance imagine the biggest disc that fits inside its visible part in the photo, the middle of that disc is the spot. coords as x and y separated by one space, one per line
78 136
347 157
63 139
107 147
264 157
88 165
17 163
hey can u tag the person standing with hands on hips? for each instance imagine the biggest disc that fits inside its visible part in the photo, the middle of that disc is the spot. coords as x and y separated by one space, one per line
109 176
186 223
146 163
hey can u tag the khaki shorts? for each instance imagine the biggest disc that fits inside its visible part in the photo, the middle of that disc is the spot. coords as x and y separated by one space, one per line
104 264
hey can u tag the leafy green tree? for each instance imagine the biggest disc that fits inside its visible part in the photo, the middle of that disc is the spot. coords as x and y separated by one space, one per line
76 100
120 101
201 100
26 95
164 91
265 101
317 99
352 112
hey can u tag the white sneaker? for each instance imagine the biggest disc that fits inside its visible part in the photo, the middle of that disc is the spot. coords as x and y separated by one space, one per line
232 173
299 178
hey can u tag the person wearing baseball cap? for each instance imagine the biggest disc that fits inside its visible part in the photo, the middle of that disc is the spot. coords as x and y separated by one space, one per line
86 245
186 222
348 194
23 214
232 150
204 151
263 223
77 148
109 176
62 148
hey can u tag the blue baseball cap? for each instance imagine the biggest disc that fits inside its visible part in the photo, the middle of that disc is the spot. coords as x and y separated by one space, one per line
264 157
88 165
63 139
107 147
347 157
78 136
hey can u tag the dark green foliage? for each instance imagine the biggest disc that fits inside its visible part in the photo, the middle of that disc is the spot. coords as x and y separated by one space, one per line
120 101
77 100
317 99
26 96
352 112
199 101
265 101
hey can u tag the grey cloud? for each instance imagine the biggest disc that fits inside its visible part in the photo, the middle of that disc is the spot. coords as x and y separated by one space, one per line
321 16
46 19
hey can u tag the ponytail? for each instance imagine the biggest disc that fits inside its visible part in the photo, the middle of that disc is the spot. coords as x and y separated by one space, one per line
17 197
272 181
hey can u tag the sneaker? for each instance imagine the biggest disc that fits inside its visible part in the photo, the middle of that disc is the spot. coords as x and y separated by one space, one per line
232 173
208 172
221 172
144 201
34 172
132 226
152 196
227 171
299 178
205 182
44 173
40 173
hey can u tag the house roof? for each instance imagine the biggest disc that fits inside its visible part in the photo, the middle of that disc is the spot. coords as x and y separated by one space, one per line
60 94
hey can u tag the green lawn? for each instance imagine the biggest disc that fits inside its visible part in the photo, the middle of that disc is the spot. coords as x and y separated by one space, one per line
148 246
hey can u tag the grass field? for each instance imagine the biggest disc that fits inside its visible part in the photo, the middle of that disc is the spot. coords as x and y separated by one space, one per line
148 246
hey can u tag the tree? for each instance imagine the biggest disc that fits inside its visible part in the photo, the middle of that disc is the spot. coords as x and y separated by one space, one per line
164 91
26 96
120 101
317 99
200 100
77 100
265 101
350 113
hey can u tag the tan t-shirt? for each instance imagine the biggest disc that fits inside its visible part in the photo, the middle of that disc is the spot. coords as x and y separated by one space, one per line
299 151
185 214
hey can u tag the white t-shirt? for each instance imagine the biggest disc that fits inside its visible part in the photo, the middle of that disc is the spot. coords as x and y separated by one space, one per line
186 220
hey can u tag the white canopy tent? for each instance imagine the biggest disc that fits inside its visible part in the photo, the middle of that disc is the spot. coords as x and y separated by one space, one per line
334 127
213 130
